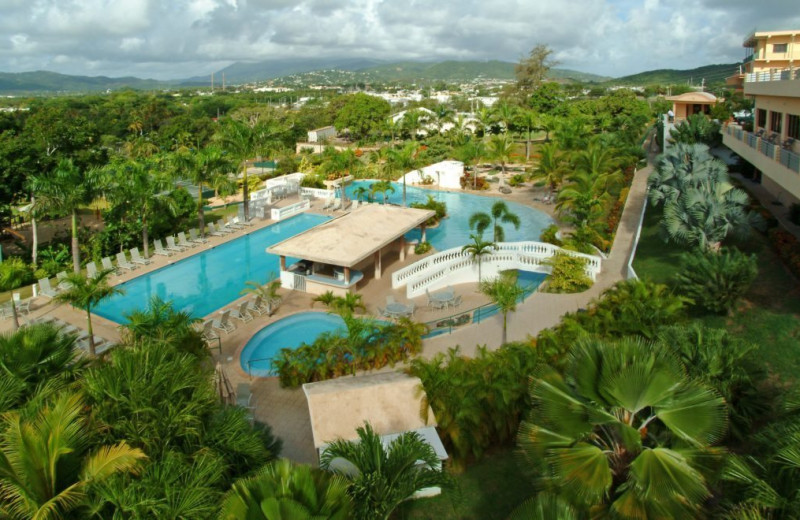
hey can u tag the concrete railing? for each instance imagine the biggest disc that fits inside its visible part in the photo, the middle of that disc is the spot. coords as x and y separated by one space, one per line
455 266
317 193
772 75
291 210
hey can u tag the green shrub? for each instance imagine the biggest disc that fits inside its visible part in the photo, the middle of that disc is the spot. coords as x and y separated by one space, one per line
568 274
716 281
550 235
422 248
438 206
516 180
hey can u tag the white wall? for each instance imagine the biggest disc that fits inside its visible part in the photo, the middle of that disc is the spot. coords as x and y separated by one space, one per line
449 174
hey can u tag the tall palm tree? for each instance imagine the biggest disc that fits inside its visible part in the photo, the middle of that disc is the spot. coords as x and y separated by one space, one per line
208 166
529 121
13 273
625 432
383 477
480 222
403 159
245 140
45 464
282 490
67 188
477 249
550 167
502 215
500 149
85 292
162 322
471 153
381 187
505 114
504 292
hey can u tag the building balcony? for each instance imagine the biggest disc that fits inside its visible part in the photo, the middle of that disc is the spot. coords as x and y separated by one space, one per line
773 82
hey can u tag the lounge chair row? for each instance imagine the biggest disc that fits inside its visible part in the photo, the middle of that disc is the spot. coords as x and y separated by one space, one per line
101 345
243 312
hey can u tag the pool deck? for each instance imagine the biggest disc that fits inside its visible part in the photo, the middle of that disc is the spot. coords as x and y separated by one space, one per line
286 411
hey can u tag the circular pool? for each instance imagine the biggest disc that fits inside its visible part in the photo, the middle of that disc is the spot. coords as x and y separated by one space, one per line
289 332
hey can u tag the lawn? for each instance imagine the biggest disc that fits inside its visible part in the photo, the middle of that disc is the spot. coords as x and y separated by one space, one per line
488 490
769 316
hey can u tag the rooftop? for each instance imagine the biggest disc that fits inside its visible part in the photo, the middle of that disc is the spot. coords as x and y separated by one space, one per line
348 240
694 97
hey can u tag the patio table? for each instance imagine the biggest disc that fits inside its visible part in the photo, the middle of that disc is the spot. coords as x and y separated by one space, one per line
397 309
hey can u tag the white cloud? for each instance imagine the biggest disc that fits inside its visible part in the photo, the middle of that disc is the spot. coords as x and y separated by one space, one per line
181 38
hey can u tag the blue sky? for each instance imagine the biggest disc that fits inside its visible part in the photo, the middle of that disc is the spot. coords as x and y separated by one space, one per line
168 39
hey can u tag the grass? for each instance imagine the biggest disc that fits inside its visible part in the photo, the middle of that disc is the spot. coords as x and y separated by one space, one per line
769 315
489 490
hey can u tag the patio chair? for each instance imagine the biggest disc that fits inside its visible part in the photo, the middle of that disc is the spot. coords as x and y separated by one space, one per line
456 303
382 312
244 395
210 335
232 224
23 306
46 289
196 238
61 278
123 262
159 248
185 242
411 308
172 246
212 230
241 313
240 221
106 263
224 322
137 258
91 269
256 305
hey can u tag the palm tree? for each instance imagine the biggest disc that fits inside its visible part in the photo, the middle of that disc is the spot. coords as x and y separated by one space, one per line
360 192
85 292
505 114
529 121
500 149
504 292
625 432
477 249
501 214
205 167
161 322
45 464
348 304
13 273
383 477
480 222
67 188
381 187
282 490
471 154
327 298
682 168
244 141
403 159
550 167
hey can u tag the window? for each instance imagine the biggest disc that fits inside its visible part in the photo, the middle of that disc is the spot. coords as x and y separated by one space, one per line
761 122
780 48
775 120
793 126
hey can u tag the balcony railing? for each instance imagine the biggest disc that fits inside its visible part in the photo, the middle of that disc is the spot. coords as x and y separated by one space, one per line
751 140
766 148
775 151
790 159
772 75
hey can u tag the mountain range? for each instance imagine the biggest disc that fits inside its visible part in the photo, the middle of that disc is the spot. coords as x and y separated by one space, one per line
346 69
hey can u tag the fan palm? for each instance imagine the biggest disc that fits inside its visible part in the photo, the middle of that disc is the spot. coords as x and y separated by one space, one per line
504 292
502 215
45 464
625 431
85 292
13 273
67 188
477 249
682 168
383 477
284 491
550 167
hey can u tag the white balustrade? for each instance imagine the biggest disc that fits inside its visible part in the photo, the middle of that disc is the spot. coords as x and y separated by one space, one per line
291 210
454 266
316 193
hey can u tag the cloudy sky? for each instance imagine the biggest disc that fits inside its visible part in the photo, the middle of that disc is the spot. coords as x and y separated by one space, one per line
167 39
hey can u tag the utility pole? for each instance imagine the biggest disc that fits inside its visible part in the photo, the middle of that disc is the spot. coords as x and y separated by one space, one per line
212 82
223 82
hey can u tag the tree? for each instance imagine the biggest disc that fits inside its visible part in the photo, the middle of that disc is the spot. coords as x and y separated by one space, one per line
697 129
162 323
502 215
383 477
85 292
45 464
13 273
532 70
477 250
501 148
682 168
205 167
716 281
480 222
403 159
504 292
67 188
568 274
550 166
283 491
529 121
625 432
362 114
381 187
246 140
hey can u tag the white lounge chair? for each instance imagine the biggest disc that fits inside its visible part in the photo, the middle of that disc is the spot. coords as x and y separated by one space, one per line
46 289
212 230
224 322
257 306
91 270
137 258
159 248
241 313
233 225
244 396
23 306
123 262
185 242
61 278
172 246
210 335
196 238
106 263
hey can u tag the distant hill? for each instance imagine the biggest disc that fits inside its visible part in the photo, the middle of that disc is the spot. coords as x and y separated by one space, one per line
242 72
713 74
41 80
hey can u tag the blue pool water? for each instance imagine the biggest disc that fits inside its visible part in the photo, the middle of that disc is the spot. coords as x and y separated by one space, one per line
454 230
211 279
289 332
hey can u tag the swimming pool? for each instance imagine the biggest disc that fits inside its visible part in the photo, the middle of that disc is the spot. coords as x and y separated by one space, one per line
454 230
209 280
289 332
